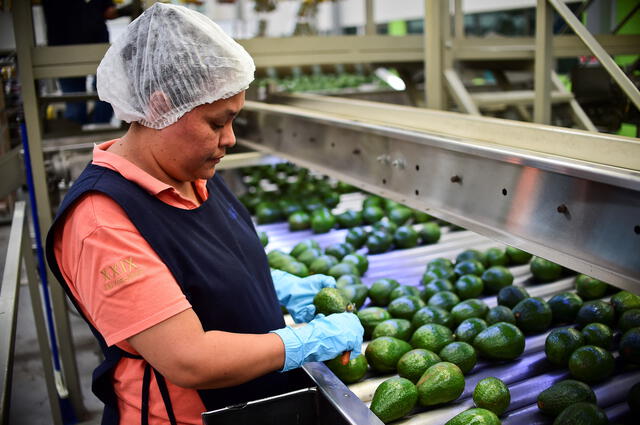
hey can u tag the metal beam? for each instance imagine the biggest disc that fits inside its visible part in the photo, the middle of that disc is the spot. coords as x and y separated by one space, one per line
542 76
433 52
78 60
370 23
607 62
23 28
581 117
11 172
599 148
516 97
459 93
545 204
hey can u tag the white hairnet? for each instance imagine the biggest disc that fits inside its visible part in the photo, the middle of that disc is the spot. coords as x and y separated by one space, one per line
170 60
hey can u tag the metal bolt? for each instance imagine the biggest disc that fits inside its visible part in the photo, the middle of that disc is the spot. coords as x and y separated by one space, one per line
456 179
398 163
383 159
562 208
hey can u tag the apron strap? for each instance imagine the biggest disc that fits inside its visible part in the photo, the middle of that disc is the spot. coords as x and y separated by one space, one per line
164 392
146 383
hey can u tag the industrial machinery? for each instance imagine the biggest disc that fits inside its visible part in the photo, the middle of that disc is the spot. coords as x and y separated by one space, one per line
570 196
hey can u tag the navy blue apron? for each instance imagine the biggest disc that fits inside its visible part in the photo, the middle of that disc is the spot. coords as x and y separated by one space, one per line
216 257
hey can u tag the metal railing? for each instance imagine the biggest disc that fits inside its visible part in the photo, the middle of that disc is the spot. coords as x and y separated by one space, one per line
20 259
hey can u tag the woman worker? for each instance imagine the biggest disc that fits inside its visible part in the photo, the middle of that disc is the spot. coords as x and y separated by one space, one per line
158 255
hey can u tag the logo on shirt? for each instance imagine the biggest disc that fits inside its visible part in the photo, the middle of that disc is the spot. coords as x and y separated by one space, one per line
119 272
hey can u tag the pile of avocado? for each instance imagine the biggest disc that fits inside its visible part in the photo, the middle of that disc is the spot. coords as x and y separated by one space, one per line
274 192
323 83
585 346
390 226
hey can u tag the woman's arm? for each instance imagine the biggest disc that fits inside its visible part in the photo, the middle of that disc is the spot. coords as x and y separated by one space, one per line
189 357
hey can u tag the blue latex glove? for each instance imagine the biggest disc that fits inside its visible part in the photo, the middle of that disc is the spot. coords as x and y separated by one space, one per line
296 293
324 338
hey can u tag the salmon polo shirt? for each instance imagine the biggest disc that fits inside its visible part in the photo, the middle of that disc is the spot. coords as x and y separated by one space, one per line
122 285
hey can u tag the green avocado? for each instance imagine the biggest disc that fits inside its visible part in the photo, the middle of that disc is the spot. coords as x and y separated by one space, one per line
429 233
460 354
544 270
303 246
378 241
383 353
595 312
421 217
624 301
500 314
469 329
405 307
267 212
405 237
339 250
352 372
467 309
370 317
496 257
380 291
356 237
322 264
432 337
565 307
331 300
349 219
589 288
435 273
361 261
582 413
430 314
599 335
440 262
441 383
397 328
415 362
357 294
502 341
517 256
322 220
299 220
630 346
393 399
264 238
400 215
629 319
469 267
348 280
492 394
475 416
469 286
446 300
495 278
309 256
372 214
591 364
509 296
295 268
472 254
404 290
435 286
533 315
563 394
561 343
342 269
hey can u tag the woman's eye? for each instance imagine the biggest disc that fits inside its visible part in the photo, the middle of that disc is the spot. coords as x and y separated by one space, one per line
217 126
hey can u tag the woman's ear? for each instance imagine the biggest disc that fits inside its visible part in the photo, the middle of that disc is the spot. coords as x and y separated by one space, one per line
159 104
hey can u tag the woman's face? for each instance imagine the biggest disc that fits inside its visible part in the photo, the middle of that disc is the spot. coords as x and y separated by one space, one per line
191 148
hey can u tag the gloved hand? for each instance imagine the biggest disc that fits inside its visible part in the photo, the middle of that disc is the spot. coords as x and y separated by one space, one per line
296 293
323 338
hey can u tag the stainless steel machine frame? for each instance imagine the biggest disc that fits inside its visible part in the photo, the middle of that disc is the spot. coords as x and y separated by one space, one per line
560 180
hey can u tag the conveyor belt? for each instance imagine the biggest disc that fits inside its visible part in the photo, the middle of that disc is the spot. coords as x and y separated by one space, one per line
526 376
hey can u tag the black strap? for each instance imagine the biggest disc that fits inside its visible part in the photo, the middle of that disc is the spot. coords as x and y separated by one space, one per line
164 392
146 383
